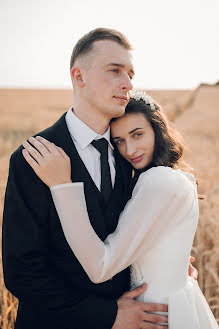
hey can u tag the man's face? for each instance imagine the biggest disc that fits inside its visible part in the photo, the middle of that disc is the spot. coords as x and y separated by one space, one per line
108 79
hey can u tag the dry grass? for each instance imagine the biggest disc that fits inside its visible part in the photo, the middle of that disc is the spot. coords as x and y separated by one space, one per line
24 112
200 127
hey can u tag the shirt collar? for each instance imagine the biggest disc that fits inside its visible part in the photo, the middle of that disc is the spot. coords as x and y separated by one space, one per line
83 134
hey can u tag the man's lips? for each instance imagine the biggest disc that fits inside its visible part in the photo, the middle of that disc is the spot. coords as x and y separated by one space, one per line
137 159
123 99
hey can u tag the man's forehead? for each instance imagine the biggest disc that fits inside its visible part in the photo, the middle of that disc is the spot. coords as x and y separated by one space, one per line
110 47
112 52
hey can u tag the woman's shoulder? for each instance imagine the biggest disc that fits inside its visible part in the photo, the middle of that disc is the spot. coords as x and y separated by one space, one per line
166 178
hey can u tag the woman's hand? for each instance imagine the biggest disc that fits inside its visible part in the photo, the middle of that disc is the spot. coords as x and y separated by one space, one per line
192 270
50 162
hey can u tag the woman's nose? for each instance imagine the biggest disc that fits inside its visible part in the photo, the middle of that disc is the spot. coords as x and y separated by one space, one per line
130 149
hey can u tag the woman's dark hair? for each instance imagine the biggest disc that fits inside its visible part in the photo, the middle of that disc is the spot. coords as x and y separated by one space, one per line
169 145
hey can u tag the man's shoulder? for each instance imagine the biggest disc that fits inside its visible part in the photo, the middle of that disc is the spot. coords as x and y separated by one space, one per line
49 133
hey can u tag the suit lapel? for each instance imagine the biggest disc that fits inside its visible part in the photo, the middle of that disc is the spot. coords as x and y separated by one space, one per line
98 216
79 173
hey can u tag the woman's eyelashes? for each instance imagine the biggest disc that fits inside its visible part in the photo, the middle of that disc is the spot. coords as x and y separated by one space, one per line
135 135
118 141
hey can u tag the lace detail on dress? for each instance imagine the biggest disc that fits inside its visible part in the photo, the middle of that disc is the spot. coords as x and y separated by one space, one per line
136 277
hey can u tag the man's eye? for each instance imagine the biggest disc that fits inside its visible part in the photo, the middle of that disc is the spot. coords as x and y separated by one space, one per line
131 77
114 70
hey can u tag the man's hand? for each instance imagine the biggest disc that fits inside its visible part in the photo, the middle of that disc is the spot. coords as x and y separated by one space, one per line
133 314
192 270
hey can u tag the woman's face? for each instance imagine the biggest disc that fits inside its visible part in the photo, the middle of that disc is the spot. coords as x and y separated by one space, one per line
135 139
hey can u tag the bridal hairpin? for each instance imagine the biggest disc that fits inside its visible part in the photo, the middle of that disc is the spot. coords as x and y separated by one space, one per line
141 95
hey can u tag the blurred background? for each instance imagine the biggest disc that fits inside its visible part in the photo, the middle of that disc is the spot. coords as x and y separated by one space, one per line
176 52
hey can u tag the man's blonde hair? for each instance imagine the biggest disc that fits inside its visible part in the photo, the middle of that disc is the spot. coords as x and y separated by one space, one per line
85 44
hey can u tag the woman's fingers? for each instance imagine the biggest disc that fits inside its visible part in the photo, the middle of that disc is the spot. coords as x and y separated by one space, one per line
193 272
49 163
63 153
39 146
50 146
30 160
33 152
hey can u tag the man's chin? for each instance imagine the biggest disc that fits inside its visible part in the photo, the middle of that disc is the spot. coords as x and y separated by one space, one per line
119 112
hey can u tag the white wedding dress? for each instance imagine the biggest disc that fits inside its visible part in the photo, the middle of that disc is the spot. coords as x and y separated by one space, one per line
154 235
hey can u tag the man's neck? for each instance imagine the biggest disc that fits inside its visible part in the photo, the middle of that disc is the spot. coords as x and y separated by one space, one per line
96 122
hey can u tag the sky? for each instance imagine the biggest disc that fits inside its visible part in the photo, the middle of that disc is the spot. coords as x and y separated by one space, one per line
176 42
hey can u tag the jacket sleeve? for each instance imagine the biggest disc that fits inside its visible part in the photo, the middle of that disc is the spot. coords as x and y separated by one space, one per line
27 272
161 198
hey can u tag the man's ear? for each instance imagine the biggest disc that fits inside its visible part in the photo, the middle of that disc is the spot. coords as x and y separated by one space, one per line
77 78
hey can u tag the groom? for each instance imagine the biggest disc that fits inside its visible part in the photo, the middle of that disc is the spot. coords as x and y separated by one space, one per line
39 266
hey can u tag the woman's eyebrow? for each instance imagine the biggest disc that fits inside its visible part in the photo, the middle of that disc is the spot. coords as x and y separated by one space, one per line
130 132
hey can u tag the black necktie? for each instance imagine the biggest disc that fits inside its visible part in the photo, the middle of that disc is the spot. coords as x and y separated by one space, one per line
106 184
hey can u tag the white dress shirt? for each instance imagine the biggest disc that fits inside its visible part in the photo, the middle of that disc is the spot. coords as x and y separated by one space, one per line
82 136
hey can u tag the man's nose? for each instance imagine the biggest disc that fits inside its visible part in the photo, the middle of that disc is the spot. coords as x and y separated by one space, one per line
127 84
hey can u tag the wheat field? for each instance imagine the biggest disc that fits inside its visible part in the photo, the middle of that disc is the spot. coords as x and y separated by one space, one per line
193 112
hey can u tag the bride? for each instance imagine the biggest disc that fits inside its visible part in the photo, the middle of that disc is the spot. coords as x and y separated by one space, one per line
156 229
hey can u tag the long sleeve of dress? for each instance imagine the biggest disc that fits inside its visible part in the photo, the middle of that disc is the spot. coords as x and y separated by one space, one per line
161 197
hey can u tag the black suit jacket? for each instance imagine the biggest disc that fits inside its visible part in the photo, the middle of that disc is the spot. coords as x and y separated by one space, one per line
39 267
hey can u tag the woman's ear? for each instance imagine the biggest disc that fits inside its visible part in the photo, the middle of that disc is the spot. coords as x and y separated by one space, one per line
76 76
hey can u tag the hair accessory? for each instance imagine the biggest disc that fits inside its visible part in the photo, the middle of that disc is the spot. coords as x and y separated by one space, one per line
141 95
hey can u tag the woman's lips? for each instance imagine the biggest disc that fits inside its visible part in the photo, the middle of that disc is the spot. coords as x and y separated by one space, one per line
138 159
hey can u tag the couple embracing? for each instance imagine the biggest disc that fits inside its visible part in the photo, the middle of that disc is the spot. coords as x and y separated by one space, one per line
100 213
